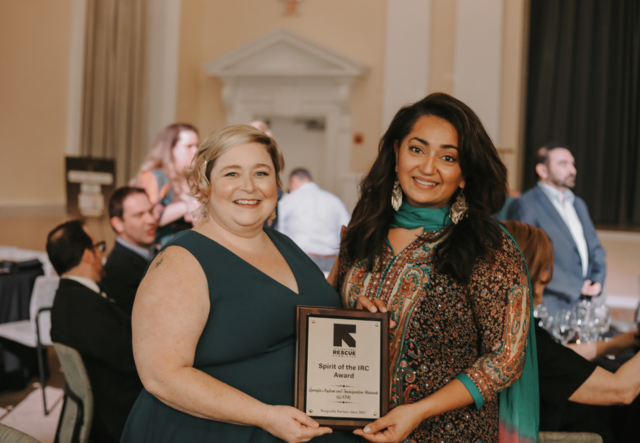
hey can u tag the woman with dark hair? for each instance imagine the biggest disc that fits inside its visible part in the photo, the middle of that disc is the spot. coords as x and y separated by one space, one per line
422 245
163 176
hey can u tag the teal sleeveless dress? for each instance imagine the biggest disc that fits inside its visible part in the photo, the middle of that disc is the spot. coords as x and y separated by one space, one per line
248 342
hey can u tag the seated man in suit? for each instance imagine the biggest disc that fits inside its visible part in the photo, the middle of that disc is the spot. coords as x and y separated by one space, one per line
131 217
580 266
85 319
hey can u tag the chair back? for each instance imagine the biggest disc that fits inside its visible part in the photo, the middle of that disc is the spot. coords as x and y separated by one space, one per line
44 291
77 413
569 437
10 435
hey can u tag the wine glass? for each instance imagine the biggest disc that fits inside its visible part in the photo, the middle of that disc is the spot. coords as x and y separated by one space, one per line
601 320
541 314
564 326
582 314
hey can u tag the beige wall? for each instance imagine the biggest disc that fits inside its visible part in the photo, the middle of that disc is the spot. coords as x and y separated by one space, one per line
34 47
35 40
354 28
510 99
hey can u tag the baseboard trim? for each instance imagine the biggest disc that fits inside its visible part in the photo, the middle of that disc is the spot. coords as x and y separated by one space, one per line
622 236
32 210
622 301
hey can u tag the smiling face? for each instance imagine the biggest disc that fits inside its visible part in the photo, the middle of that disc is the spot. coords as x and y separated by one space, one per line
428 163
243 188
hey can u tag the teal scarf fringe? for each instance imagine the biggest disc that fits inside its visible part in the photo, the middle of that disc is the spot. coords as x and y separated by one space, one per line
520 402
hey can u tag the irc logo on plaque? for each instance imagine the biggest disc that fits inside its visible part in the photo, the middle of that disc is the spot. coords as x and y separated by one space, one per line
342 335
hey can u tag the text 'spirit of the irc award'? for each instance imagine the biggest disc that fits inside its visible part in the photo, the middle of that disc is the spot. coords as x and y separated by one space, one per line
343 368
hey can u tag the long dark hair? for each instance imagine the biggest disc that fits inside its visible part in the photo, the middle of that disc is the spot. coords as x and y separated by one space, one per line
476 235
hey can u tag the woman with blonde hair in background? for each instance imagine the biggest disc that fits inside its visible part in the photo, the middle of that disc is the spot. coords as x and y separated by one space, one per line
163 177
214 318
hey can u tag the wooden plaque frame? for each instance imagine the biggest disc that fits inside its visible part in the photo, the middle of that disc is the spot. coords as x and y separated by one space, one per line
303 313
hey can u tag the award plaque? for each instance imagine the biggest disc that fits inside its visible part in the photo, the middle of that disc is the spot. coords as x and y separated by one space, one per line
342 366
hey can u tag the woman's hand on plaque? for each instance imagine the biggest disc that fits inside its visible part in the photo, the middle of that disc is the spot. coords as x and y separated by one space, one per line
375 305
292 425
393 427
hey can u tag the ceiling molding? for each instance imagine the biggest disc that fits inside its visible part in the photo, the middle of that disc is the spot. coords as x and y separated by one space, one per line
281 53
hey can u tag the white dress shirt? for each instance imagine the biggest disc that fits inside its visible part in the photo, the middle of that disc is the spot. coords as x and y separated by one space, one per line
88 283
313 218
563 202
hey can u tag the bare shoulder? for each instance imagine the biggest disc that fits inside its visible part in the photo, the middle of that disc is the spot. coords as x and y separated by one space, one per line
173 274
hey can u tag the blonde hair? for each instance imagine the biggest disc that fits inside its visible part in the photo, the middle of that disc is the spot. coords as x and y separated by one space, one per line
160 156
216 145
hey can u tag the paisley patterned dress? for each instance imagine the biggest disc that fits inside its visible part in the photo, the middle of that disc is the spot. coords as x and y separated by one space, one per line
445 329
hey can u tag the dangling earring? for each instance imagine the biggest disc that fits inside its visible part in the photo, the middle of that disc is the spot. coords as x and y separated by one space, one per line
459 208
396 195
271 218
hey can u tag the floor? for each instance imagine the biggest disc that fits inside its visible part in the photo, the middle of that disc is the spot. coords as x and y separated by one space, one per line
23 409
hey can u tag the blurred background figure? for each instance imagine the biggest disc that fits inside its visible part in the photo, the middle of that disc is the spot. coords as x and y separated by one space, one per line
163 177
131 217
85 319
573 390
262 126
580 266
312 218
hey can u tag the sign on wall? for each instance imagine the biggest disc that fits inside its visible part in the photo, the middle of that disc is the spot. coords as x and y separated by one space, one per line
90 183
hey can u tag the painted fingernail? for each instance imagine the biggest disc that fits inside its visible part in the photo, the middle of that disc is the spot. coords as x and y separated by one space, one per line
374 309
367 429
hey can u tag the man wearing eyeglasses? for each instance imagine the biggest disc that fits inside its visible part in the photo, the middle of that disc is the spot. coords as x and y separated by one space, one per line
85 319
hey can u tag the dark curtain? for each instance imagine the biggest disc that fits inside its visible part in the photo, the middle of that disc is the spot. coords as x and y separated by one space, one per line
584 90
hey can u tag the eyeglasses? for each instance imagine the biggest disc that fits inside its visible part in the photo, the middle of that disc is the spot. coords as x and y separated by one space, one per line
101 246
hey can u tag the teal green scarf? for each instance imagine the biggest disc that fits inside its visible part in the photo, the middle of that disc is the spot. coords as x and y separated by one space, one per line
520 402
410 217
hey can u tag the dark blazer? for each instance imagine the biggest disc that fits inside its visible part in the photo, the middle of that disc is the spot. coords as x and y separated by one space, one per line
124 270
101 332
535 208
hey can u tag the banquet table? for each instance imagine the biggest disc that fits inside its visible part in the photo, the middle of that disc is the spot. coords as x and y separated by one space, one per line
18 363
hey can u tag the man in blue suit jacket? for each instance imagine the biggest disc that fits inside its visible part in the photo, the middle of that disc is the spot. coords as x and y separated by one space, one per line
579 259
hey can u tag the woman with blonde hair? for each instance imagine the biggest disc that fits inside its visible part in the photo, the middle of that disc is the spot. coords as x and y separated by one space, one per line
163 176
214 318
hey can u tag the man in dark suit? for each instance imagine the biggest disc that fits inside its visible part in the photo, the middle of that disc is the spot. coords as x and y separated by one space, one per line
131 217
580 267
85 319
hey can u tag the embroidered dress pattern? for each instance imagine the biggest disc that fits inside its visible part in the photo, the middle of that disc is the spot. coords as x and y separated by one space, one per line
445 329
